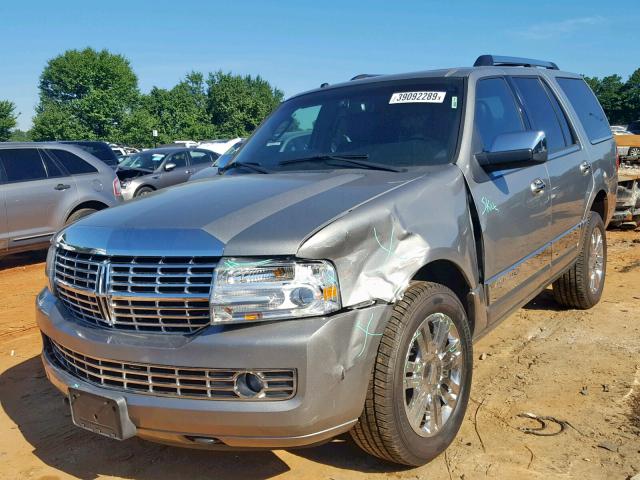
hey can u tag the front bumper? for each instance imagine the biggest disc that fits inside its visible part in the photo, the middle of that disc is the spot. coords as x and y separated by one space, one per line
332 356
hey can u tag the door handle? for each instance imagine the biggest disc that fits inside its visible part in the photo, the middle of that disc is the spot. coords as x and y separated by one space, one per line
62 186
538 186
585 168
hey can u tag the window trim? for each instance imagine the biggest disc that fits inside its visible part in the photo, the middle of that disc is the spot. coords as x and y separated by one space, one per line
6 175
596 140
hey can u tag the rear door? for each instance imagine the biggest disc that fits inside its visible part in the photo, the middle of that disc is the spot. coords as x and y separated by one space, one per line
37 194
569 167
513 206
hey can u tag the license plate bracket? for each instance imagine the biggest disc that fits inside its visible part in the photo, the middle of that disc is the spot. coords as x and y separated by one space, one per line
102 415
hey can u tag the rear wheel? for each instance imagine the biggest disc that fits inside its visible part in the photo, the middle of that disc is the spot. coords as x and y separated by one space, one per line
634 152
420 384
581 286
78 214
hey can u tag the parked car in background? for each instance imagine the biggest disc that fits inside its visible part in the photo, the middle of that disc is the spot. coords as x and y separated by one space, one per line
219 164
634 127
150 170
122 150
627 143
185 143
218 146
100 150
339 288
45 186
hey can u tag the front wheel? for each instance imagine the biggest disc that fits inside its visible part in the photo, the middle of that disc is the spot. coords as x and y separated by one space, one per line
421 380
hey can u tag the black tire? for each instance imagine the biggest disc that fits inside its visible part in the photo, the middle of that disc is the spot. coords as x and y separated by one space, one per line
142 191
572 289
383 429
78 214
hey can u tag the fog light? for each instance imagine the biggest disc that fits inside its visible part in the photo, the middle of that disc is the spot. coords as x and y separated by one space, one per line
249 385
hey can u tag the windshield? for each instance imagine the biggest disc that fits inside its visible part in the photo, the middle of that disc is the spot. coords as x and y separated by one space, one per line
223 159
143 160
399 124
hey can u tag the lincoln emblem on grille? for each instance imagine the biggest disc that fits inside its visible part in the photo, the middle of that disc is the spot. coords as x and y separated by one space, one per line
102 292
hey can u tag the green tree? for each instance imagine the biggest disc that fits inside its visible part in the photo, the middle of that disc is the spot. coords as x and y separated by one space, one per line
8 119
180 113
21 136
237 104
85 94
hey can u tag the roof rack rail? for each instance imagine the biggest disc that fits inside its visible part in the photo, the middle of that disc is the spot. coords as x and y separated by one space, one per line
365 75
499 60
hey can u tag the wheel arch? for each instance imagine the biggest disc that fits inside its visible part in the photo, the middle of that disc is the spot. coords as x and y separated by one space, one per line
451 275
94 204
600 205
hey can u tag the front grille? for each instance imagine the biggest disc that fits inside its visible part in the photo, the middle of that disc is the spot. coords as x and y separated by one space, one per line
162 380
148 294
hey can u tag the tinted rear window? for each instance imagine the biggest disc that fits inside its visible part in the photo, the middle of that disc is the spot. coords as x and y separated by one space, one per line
99 150
72 163
586 105
22 165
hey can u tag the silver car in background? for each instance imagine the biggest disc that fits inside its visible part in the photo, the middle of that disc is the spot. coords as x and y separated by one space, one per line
45 186
145 172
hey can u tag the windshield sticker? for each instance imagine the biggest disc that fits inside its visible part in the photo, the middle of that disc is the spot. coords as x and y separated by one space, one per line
417 97
454 102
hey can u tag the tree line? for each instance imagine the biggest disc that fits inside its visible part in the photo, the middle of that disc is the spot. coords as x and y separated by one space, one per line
94 95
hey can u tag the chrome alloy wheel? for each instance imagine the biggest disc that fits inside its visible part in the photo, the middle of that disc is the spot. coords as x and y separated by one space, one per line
432 374
596 261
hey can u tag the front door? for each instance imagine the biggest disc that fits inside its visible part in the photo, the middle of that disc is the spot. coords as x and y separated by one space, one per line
513 206
179 174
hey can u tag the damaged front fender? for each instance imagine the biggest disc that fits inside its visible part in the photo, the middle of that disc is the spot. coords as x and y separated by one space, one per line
379 246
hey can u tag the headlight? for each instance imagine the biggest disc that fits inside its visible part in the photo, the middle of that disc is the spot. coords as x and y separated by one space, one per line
50 267
259 290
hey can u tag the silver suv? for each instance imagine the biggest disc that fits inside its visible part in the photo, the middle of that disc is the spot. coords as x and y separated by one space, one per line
337 286
44 186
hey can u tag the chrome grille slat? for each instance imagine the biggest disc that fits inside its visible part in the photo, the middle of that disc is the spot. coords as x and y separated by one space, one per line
150 294
162 380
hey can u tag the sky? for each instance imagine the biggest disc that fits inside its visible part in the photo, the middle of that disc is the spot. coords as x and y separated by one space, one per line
297 45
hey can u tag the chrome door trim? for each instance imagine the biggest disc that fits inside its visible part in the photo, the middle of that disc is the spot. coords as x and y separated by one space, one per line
516 275
31 237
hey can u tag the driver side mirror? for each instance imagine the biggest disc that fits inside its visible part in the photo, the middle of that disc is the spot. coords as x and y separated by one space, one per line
169 166
517 149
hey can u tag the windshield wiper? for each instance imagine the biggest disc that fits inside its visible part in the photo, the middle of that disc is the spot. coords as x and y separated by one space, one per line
352 159
248 165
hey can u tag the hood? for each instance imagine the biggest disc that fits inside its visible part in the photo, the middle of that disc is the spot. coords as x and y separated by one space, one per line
125 173
243 215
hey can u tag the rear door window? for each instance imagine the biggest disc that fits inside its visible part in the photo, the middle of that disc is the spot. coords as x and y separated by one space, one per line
496 110
22 165
72 163
540 111
587 108
199 157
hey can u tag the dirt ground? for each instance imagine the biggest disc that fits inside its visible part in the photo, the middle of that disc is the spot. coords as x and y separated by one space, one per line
582 367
